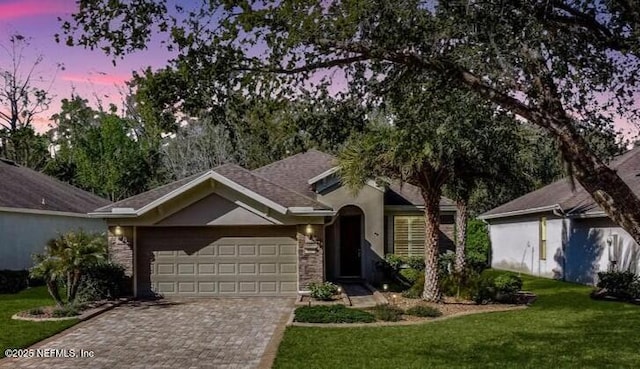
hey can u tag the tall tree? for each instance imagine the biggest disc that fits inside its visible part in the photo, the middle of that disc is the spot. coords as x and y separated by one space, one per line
550 62
433 136
96 151
23 95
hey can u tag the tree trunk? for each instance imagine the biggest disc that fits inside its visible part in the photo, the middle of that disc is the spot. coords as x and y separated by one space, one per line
431 198
52 287
604 185
461 235
73 288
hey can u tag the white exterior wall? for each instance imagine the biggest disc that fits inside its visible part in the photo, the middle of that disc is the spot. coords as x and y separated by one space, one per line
589 251
515 245
23 234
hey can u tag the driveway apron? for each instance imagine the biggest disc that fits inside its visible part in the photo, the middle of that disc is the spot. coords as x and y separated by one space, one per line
197 333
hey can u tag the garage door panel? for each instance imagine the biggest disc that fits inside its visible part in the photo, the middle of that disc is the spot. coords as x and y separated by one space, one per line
219 266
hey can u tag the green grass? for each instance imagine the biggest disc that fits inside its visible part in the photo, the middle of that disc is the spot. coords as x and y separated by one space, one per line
563 329
18 333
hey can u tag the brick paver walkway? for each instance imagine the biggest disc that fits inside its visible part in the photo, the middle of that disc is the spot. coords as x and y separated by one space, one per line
212 333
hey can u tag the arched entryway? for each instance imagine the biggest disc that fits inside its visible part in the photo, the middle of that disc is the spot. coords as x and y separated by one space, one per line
345 236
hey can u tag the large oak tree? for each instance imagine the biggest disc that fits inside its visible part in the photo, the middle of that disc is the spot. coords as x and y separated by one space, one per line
554 63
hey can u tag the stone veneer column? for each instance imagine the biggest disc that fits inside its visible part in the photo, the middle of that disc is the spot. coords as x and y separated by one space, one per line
121 249
310 256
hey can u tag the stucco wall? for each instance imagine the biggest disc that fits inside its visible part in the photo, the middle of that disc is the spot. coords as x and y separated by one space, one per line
22 235
515 245
589 252
371 202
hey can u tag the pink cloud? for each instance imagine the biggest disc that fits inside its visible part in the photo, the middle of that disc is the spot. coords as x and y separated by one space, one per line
30 8
97 79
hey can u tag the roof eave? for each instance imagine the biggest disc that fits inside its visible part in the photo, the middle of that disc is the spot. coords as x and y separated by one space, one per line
520 212
310 212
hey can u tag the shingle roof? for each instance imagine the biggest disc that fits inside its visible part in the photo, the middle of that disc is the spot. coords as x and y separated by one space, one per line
573 199
24 188
284 182
295 171
140 200
408 194
275 192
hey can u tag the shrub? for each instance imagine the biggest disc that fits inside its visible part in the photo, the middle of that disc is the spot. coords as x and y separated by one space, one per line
415 262
460 285
323 291
484 291
424 311
446 262
36 311
332 314
394 261
386 312
478 245
104 280
65 311
415 292
410 274
507 286
622 285
13 281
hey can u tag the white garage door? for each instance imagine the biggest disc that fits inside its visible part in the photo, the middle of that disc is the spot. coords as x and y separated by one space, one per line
208 264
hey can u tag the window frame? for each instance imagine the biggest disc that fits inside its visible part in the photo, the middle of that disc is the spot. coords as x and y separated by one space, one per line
542 247
415 246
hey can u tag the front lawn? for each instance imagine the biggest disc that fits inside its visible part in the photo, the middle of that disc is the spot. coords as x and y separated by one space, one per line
563 329
18 333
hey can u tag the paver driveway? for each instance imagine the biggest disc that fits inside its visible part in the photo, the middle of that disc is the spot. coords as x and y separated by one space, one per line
212 333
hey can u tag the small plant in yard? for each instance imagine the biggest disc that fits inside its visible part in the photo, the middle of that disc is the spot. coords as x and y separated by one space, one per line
410 274
415 292
65 261
623 285
63 312
35 311
424 311
388 313
507 286
323 291
332 314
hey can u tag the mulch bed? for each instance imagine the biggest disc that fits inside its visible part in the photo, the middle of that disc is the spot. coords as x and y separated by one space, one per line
449 306
86 311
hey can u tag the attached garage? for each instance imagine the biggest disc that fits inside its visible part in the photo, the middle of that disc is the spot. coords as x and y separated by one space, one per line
217 261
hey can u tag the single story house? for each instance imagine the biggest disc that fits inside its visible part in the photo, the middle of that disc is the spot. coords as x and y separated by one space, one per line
560 232
35 208
268 232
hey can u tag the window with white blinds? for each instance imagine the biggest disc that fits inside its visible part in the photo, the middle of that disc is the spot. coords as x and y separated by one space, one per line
408 235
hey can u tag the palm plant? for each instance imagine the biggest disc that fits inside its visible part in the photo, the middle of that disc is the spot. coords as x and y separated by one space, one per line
430 135
65 260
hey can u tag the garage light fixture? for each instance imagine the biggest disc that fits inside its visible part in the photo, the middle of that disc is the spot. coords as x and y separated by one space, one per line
309 230
119 233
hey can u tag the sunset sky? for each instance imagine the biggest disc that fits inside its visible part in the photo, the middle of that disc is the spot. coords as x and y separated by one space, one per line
90 73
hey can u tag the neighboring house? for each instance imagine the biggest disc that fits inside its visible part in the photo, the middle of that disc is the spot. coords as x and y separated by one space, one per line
35 208
559 232
268 232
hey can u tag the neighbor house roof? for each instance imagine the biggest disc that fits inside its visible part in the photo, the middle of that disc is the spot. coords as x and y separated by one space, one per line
24 188
570 198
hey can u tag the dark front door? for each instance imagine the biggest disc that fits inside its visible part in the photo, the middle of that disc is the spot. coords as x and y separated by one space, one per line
350 239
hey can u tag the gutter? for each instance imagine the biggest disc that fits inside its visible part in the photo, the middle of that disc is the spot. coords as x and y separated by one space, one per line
552 208
44 212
